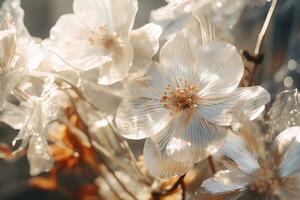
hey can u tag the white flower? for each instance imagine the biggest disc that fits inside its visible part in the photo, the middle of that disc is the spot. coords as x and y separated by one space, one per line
13 7
11 64
222 13
270 174
99 35
38 112
19 52
185 103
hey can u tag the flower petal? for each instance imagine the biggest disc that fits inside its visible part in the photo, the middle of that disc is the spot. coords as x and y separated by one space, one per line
172 17
284 139
117 15
39 155
219 67
145 41
12 115
152 84
195 139
225 181
243 102
161 166
69 42
234 147
138 118
177 56
13 7
289 142
117 68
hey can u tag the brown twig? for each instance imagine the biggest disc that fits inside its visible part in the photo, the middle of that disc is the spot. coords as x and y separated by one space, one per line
179 182
257 57
211 164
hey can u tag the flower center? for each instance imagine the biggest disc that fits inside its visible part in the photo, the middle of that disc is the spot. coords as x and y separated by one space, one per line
184 96
266 180
106 40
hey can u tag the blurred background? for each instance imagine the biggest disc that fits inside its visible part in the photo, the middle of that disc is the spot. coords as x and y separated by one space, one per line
280 69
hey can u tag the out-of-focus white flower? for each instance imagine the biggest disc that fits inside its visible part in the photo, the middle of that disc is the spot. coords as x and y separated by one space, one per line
185 103
11 64
19 51
39 111
272 174
99 35
13 7
222 13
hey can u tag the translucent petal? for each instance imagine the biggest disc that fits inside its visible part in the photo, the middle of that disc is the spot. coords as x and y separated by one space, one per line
223 14
13 116
152 84
71 45
285 110
291 161
123 15
290 190
195 139
117 68
234 147
284 139
39 156
118 15
202 29
226 181
226 110
145 41
177 56
16 11
160 165
172 17
138 118
219 68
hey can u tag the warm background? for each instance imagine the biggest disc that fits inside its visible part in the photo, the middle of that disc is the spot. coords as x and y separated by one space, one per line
283 44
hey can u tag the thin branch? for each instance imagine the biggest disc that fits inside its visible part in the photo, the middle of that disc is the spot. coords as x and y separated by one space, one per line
211 164
257 57
265 28
179 182
263 33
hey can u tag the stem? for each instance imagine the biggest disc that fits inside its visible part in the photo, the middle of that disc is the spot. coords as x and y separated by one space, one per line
179 182
263 33
211 164
265 28
257 57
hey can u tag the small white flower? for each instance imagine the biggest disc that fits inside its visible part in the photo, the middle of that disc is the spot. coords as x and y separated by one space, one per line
99 35
19 52
269 174
178 13
185 103
11 64
38 112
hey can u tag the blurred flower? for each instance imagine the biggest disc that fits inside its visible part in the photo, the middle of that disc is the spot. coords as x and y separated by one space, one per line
185 103
284 112
39 111
263 175
222 13
19 53
99 35
11 64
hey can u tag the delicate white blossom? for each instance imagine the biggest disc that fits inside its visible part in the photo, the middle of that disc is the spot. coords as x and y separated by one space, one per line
270 174
38 112
186 102
222 13
99 35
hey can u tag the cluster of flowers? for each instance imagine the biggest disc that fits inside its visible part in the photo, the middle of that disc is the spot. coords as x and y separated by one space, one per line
187 104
